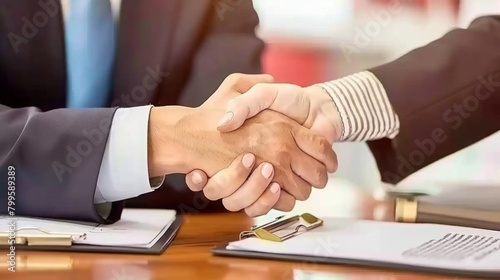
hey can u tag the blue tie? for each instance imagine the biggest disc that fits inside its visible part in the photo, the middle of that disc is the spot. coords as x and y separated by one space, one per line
90 52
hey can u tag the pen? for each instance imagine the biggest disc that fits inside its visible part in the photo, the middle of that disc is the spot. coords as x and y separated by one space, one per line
413 211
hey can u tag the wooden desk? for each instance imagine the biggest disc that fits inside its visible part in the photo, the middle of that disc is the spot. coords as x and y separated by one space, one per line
190 258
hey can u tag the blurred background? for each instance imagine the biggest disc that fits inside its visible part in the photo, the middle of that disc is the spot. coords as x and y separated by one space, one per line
310 41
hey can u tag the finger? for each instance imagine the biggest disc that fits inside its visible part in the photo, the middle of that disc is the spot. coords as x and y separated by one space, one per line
286 202
196 180
234 85
243 107
228 180
243 82
292 183
299 188
287 99
309 169
251 190
316 146
265 202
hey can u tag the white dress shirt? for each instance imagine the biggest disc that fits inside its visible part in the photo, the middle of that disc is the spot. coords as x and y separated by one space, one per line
124 167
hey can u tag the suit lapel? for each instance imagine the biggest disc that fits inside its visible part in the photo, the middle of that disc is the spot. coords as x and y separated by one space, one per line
152 39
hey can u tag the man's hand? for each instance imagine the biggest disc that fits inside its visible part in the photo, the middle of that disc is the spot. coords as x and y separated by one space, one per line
311 107
182 139
255 193
163 124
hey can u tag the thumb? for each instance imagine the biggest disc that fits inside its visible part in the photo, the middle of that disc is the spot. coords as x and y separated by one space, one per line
247 105
236 84
196 180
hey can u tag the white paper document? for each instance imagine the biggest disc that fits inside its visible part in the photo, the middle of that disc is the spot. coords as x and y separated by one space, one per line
139 228
422 245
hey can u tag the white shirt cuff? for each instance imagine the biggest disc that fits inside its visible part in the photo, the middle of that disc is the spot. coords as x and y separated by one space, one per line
124 168
364 108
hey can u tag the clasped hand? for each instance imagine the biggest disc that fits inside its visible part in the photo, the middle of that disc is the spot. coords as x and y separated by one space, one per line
260 159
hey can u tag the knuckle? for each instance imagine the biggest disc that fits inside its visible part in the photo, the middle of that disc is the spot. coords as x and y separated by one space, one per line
323 145
302 190
320 176
234 78
305 193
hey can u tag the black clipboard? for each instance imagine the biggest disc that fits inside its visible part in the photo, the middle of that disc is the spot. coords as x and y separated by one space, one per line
222 251
157 249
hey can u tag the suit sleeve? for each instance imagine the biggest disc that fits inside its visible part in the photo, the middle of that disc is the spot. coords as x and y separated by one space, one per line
56 156
446 95
229 46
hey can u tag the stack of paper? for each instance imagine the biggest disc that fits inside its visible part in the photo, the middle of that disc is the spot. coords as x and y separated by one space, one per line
373 242
140 228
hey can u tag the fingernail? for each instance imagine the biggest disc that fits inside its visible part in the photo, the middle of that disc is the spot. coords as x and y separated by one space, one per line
275 188
267 171
248 160
196 178
227 117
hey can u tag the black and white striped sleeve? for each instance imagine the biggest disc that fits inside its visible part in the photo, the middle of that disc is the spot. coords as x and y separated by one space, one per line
363 106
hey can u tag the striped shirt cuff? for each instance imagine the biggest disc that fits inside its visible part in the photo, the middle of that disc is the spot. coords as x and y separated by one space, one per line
364 107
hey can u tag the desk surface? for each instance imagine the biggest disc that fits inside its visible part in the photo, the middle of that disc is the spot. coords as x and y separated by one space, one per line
189 257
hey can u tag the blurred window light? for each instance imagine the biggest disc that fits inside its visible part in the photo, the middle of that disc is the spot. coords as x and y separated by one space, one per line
471 9
303 17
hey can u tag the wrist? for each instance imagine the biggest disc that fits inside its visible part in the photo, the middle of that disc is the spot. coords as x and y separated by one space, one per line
166 154
325 110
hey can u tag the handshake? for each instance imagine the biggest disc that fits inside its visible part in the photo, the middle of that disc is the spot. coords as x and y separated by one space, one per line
254 144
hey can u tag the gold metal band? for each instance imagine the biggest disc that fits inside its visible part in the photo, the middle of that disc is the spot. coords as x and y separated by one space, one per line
406 210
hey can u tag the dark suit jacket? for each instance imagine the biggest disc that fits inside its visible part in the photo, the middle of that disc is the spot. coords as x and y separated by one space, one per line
187 46
447 97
